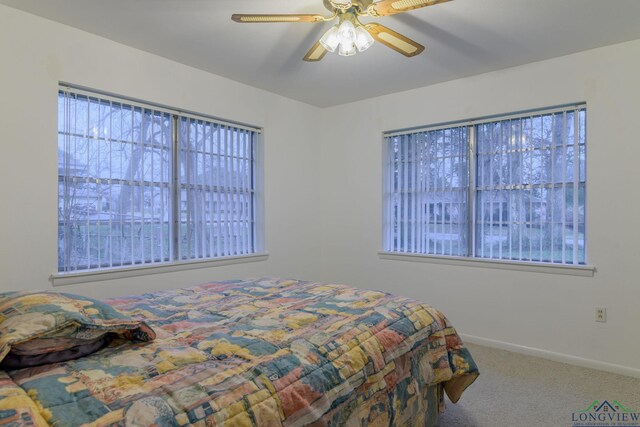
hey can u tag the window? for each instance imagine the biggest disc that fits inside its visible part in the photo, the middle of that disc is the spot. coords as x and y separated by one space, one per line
511 188
140 185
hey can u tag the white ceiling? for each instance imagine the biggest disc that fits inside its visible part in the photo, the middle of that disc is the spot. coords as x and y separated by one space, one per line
463 38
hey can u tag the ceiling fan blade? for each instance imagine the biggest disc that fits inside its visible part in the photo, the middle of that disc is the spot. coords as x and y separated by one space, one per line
249 19
395 41
316 53
392 7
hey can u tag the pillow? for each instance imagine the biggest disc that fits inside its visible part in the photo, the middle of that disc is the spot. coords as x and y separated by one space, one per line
39 327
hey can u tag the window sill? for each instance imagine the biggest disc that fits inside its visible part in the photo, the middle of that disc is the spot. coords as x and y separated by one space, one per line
63 279
537 267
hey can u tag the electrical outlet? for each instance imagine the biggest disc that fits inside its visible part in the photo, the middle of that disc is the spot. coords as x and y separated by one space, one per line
601 314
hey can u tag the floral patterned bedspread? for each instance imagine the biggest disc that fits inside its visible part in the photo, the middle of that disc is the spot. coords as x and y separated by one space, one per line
265 352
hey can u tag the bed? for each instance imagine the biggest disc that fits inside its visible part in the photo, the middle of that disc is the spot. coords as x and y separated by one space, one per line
265 352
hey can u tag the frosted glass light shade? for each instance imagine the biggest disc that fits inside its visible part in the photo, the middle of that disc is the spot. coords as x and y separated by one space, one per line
347 32
347 48
331 39
363 39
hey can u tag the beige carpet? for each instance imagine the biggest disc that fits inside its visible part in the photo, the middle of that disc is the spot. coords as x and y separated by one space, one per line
518 390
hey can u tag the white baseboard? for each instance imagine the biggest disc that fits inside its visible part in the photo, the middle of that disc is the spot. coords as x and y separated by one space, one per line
551 355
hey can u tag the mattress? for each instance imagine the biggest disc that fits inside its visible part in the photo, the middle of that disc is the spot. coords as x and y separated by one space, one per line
266 352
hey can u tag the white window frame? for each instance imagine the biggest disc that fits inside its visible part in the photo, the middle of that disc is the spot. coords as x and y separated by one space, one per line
177 263
471 259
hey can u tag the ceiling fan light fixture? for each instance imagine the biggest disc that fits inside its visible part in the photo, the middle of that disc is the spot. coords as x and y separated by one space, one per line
363 39
350 35
331 39
347 49
346 38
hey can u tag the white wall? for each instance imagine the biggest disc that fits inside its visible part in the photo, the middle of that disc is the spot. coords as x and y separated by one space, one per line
545 311
36 54
323 191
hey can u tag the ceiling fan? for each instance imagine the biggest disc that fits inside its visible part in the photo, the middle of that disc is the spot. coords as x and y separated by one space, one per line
350 35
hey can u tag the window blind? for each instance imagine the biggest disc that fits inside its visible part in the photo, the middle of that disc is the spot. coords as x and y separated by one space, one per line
511 188
114 187
531 188
427 192
139 185
216 185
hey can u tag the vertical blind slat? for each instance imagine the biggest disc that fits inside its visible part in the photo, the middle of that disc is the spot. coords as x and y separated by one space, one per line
227 231
390 200
521 213
245 194
413 193
576 183
110 200
553 181
564 189
219 250
211 212
152 189
393 201
87 200
420 193
139 184
234 191
531 195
